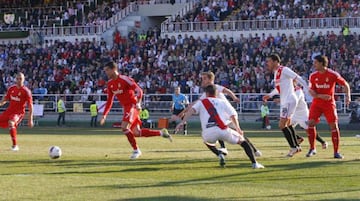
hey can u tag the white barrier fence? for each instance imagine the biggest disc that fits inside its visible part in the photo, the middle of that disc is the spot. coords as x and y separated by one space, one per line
242 25
161 103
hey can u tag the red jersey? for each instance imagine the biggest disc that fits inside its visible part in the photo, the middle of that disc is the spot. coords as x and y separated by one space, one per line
18 97
324 83
126 91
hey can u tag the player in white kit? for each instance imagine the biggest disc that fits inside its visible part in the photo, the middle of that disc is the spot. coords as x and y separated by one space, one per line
284 78
208 78
301 116
215 116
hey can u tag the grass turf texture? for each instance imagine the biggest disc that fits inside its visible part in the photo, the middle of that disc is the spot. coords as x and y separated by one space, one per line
95 166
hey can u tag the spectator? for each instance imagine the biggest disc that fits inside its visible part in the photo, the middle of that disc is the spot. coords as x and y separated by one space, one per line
265 116
61 109
94 114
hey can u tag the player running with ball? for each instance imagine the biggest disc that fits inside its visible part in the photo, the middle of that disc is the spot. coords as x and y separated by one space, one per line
19 96
129 95
322 89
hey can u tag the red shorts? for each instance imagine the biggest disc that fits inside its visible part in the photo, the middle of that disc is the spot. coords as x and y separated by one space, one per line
329 111
6 116
131 115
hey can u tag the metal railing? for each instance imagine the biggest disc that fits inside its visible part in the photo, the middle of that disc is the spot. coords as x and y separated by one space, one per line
145 2
252 25
161 103
83 29
187 8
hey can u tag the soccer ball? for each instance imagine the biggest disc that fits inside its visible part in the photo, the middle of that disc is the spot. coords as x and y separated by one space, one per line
268 127
55 152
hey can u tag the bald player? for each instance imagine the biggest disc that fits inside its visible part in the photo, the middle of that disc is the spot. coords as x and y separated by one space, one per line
18 97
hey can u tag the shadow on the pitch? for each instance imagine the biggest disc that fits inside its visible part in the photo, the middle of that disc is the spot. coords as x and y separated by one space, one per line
135 163
145 169
296 196
302 165
167 198
341 199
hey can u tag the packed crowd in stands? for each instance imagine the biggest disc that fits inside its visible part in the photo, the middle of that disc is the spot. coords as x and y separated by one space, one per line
209 10
215 10
44 13
160 64
282 9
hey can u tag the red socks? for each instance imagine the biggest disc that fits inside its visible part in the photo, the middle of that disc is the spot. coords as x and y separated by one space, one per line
335 136
311 136
144 133
131 138
13 132
149 133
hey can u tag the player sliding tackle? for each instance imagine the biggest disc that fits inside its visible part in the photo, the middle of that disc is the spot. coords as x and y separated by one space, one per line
18 95
215 116
129 95
283 79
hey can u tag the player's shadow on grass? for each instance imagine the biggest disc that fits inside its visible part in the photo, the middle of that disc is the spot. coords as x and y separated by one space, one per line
167 198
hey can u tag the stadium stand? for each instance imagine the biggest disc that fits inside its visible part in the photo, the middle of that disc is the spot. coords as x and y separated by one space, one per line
159 64
57 13
208 10
251 10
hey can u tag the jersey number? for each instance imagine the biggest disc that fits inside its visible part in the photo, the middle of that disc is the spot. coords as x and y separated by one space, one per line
212 112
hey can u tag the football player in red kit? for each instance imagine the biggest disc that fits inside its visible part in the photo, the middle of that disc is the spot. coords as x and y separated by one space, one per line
322 88
129 95
18 96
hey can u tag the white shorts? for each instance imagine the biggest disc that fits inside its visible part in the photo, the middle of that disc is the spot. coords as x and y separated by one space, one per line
301 114
300 117
287 109
213 134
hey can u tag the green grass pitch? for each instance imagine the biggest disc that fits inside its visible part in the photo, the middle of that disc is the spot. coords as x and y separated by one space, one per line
95 166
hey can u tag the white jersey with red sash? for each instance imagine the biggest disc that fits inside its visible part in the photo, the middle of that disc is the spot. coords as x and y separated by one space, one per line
283 79
214 112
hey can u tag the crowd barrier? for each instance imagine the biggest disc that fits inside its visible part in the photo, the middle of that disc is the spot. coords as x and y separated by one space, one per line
161 103
276 24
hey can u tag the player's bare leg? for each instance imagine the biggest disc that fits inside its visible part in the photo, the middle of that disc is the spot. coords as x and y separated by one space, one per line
13 133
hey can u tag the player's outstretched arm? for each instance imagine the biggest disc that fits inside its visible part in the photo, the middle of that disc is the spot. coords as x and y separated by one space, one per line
3 101
231 94
271 94
320 96
302 82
